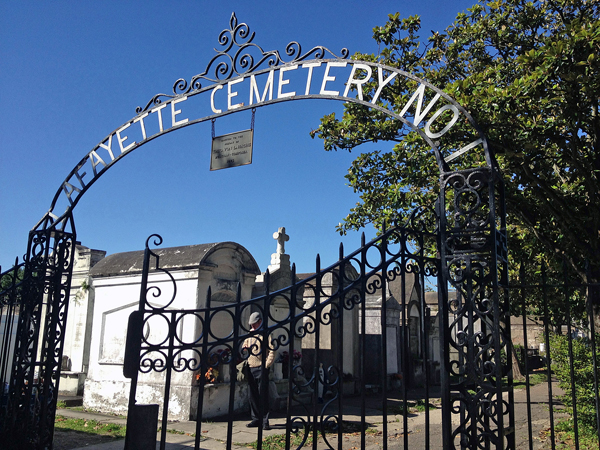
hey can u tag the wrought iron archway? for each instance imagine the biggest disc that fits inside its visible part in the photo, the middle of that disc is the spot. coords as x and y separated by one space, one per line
472 233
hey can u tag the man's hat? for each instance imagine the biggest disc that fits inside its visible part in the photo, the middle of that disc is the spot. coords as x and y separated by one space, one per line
254 318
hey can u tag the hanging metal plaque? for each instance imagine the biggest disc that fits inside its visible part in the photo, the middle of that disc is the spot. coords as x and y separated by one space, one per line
231 150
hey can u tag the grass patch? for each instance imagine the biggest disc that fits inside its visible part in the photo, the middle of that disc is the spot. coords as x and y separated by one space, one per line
77 408
410 407
534 378
421 406
94 411
565 436
277 441
60 405
89 426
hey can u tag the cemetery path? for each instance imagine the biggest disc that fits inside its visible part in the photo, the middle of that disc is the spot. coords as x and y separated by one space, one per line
214 434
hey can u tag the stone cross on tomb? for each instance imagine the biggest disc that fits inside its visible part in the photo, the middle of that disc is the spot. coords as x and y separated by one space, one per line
282 238
279 260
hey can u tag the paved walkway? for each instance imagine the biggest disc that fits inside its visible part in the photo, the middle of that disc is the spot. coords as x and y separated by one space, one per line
214 434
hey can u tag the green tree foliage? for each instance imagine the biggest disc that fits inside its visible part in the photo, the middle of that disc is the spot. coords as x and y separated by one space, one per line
11 278
10 286
528 72
583 376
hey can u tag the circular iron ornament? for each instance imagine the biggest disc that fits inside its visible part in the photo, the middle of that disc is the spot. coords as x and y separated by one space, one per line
181 318
229 313
156 322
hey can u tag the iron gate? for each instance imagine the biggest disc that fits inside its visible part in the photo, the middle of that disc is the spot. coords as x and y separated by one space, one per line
469 231
34 305
337 297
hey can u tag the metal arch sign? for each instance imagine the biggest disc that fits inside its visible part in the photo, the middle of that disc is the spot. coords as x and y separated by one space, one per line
238 80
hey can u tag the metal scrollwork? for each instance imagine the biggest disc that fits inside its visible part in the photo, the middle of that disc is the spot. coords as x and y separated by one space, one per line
327 298
472 267
36 300
239 55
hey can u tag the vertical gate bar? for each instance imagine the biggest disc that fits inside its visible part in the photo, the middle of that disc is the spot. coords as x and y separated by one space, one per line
511 429
45 341
404 354
134 374
363 327
500 332
291 345
36 302
444 312
6 318
424 319
232 363
501 258
501 283
472 357
383 323
570 349
8 312
340 356
43 351
548 360
315 374
203 367
170 363
52 346
461 354
591 319
526 355
264 351
498 365
21 428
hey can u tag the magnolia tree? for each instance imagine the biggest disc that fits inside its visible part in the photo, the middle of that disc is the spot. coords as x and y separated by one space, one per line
528 72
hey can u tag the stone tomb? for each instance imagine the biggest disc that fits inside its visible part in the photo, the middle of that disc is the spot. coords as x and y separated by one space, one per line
116 281
330 339
76 351
104 292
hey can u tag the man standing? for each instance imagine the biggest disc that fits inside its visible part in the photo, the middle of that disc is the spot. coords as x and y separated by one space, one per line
258 381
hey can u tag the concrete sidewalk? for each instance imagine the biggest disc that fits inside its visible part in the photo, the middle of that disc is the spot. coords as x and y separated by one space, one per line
181 435
214 434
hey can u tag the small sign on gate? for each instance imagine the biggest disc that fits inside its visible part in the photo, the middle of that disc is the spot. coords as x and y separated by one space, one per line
231 150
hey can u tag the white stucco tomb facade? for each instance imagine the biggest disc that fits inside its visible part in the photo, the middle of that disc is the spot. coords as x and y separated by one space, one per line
116 281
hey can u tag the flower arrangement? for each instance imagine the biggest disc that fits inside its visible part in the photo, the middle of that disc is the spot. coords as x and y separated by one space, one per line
210 376
396 376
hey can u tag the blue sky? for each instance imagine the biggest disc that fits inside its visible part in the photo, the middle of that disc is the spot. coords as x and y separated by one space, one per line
71 72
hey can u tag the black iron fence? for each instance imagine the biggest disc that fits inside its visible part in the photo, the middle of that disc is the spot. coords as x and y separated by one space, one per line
11 294
558 342
546 373
378 305
34 304
335 320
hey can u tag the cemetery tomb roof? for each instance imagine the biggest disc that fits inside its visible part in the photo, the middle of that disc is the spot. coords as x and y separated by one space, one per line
179 258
